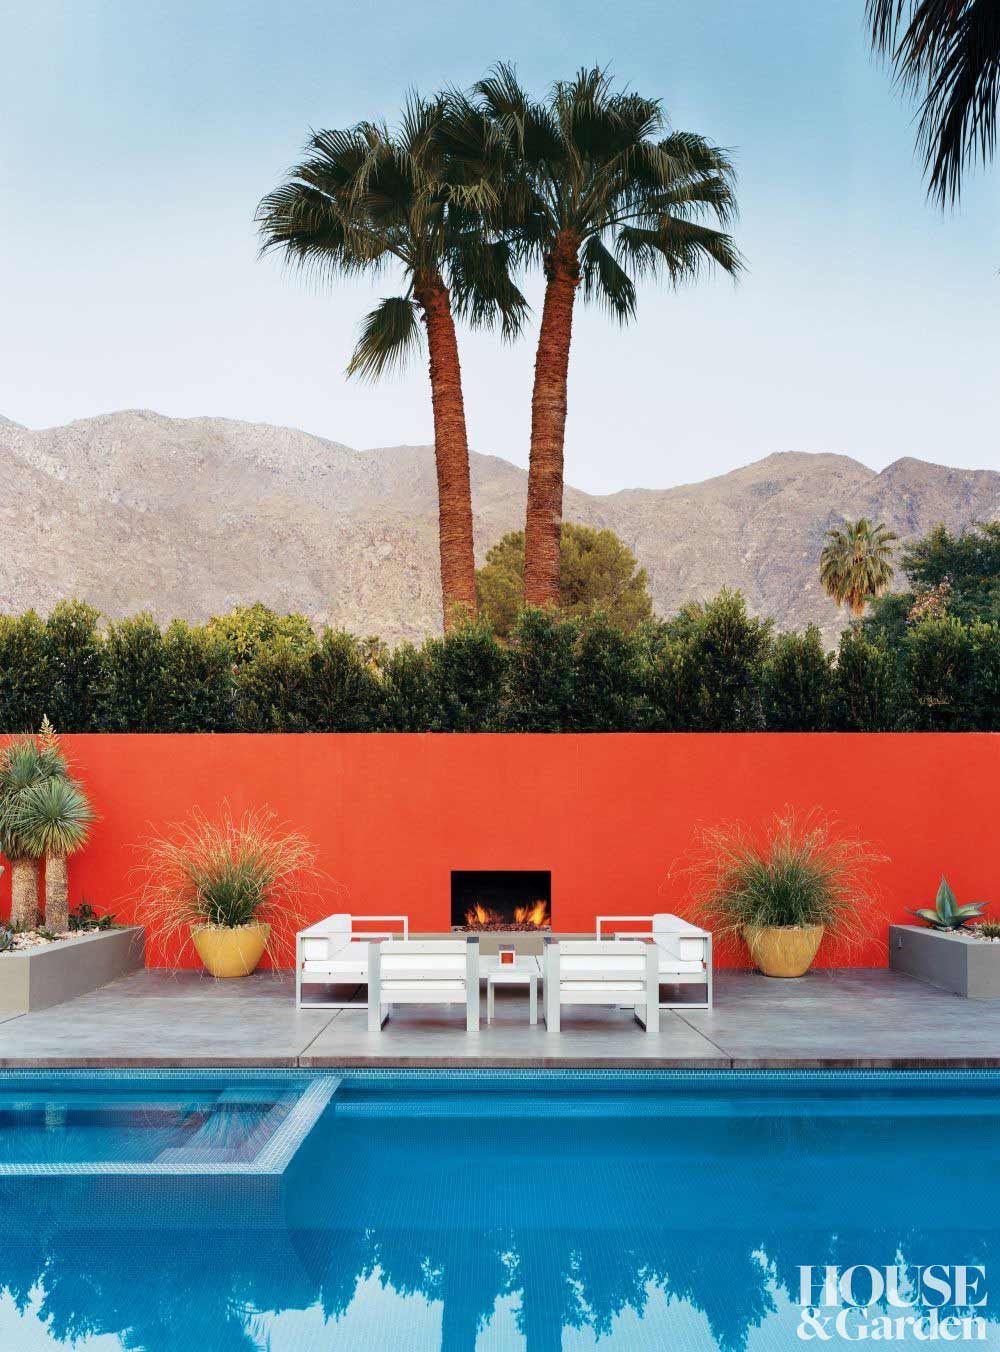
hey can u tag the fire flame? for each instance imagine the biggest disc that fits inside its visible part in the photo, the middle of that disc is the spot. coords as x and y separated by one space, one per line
481 917
536 914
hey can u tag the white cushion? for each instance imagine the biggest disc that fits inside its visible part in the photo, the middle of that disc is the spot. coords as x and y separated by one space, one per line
669 964
609 989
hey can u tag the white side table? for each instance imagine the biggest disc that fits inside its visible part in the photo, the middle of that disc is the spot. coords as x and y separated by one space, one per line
523 971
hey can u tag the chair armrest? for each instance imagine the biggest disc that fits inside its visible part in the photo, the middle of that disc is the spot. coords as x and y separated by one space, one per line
611 921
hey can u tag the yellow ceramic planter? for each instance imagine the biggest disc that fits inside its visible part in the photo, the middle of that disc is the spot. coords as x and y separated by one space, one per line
230 952
787 950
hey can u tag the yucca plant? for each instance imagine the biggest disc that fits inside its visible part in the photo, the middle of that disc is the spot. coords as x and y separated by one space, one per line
796 874
24 765
53 819
227 873
946 914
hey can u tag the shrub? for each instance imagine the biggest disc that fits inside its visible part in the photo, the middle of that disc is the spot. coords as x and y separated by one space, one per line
345 690
468 669
198 693
248 629
984 696
24 672
865 685
73 663
133 662
407 695
937 676
540 674
274 690
720 665
798 682
608 678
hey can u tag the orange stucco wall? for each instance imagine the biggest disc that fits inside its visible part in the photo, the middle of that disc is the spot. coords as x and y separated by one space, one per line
608 815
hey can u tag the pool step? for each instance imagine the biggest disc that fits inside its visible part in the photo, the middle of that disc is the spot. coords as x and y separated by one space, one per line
204 1146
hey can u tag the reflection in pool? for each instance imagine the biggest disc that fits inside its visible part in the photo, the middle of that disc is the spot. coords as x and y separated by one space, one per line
537 1210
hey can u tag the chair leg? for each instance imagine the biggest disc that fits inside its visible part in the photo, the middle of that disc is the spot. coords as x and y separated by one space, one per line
472 1009
489 1002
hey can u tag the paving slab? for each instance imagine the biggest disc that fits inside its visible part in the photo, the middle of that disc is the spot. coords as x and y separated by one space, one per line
828 1018
847 1018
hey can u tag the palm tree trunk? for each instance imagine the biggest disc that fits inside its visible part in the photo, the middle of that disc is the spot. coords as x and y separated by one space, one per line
451 454
24 893
56 893
543 525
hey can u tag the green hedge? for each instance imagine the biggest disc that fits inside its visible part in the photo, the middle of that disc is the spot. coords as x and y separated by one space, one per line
713 668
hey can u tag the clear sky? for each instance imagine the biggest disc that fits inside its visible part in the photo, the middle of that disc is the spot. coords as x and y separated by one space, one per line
137 137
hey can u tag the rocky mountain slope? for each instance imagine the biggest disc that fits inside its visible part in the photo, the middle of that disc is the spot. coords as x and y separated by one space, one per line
189 517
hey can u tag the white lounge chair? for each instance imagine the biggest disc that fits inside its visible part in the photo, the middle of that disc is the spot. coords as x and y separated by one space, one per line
335 952
423 972
602 972
685 950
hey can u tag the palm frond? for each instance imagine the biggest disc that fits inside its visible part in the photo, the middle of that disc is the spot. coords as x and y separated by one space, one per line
605 280
483 291
947 54
682 248
390 335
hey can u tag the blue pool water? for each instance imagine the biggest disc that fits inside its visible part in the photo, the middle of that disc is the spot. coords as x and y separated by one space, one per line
491 1212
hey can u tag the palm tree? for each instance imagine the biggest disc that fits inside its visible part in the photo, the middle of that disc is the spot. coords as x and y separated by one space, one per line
856 563
947 53
367 199
53 818
23 766
600 194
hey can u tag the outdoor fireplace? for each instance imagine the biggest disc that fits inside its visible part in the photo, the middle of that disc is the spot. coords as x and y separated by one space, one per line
501 899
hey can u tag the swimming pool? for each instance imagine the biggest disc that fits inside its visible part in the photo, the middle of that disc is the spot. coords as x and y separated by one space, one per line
230 1211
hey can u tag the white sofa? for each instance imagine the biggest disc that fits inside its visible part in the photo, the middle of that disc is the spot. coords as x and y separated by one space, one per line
335 952
604 972
423 972
685 950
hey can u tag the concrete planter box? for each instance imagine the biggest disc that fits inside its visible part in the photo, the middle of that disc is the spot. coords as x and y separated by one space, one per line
47 975
952 962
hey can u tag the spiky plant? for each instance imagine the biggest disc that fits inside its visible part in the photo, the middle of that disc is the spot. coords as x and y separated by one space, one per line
53 818
798 872
856 563
23 766
370 199
227 872
601 193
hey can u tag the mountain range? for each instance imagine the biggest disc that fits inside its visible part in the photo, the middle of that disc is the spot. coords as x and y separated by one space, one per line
190 517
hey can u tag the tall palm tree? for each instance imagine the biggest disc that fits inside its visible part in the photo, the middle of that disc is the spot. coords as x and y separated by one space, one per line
600 193
24 765
946 53
368 199
53 818
856 563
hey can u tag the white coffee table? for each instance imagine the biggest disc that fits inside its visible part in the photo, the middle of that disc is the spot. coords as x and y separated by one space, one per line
523 971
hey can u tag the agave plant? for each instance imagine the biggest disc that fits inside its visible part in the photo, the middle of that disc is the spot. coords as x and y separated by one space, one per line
53 818
24 764
947 914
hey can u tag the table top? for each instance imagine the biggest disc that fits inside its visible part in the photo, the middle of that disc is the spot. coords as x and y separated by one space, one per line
522 969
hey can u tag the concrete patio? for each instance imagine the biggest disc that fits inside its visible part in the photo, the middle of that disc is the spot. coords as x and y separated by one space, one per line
829 1018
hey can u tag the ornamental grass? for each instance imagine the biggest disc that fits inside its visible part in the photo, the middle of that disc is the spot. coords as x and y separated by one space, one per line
796 872
229 872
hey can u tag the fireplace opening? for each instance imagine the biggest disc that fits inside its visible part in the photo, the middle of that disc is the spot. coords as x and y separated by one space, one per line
500 899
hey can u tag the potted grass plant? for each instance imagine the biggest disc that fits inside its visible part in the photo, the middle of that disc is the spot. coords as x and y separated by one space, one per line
231 888
782 891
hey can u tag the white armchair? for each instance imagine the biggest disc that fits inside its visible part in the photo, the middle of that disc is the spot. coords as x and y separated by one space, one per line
602 972
423 972
335 952
685 950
